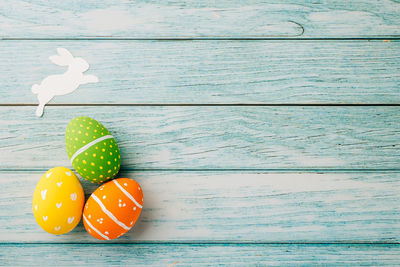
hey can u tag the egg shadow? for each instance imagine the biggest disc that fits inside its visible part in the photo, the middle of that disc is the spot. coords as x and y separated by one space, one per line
145 219
128 169
122 136
138 230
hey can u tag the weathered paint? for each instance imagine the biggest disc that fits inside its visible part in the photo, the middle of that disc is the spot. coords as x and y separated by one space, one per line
228 216
213 137
205 72
231 206
187 19
200 254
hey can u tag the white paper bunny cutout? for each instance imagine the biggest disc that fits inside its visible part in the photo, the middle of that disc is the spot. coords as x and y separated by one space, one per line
64 83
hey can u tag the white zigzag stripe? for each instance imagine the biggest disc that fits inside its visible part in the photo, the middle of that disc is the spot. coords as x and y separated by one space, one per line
109 214
97 231
127 194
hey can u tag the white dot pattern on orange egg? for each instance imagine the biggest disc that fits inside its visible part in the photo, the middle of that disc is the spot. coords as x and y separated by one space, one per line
92 227
113 209
58 201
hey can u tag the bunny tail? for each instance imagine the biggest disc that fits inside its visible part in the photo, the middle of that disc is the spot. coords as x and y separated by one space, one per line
35 88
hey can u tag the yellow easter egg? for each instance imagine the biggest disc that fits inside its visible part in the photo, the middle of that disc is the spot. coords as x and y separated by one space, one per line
58 201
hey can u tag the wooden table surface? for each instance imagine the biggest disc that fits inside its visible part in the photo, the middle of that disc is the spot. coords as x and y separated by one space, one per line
262 132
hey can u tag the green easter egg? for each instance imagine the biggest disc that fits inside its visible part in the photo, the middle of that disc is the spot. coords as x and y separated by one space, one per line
92 150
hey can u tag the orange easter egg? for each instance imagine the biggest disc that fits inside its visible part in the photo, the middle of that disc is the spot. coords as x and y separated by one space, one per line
113 209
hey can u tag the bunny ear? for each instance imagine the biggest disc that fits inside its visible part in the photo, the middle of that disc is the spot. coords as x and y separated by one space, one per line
81 63
60 61
64 53
63 58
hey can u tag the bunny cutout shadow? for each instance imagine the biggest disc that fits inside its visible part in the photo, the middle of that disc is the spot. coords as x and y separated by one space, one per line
65 83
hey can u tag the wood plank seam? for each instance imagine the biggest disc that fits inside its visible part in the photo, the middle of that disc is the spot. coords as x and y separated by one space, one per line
205 105
370 38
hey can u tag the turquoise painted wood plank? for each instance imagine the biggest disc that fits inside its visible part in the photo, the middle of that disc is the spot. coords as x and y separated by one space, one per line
200 255
154 19
210 72
231 207
222 137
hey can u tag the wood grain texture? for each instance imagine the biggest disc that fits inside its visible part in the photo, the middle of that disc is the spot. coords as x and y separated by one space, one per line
213 137
204 72
231 207
155 19
200 255
230 215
